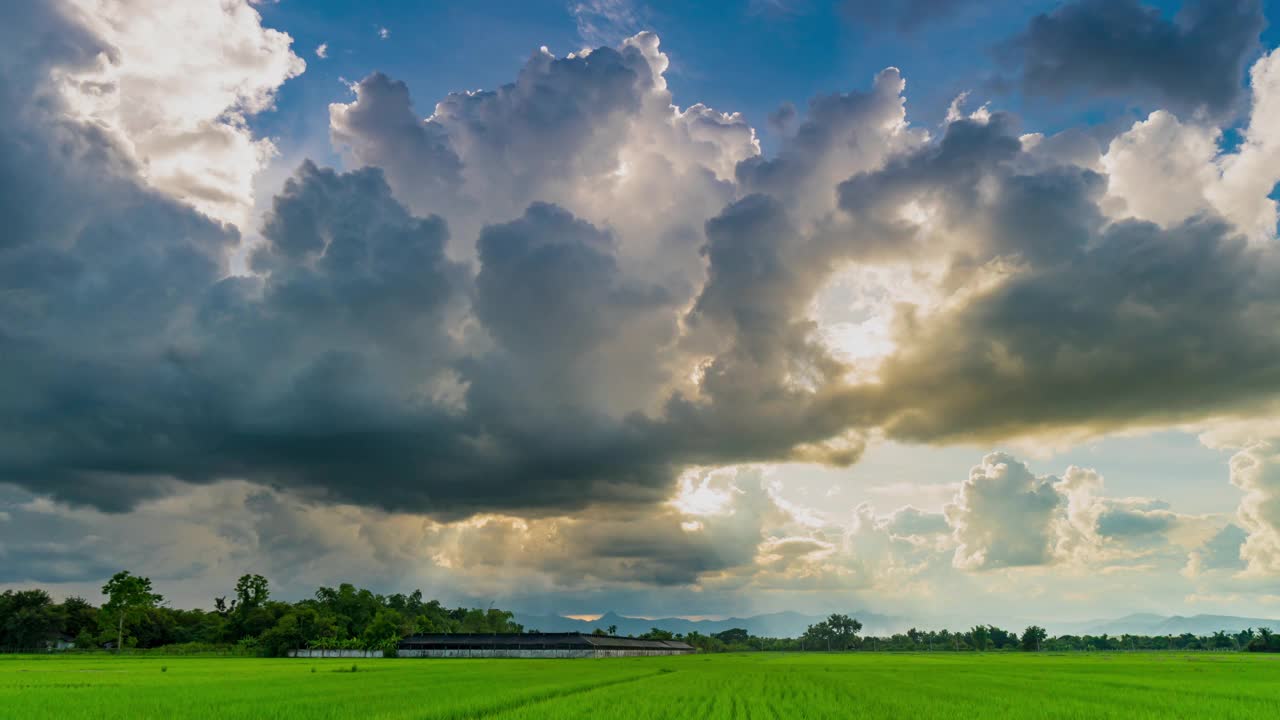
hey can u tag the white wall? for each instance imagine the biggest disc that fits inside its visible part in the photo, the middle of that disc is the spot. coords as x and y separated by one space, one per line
534 653
335 653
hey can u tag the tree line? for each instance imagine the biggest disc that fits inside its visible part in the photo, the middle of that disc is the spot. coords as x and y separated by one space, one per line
840 633
247 621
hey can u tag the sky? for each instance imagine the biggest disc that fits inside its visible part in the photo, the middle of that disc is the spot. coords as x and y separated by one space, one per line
940 309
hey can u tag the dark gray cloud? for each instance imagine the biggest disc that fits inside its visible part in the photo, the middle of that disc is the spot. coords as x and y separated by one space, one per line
780 120
1105 324
45 547
839 131
1142 325
381 130
761 393
342 369
551 294
1124 48
951 173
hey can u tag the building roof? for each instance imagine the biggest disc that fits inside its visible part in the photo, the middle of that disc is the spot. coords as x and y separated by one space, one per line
535 641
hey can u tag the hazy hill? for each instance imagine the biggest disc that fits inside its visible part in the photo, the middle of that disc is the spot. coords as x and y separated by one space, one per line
1150 624
782 624
792 624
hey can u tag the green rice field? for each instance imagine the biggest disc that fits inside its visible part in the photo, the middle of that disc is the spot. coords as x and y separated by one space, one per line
939 685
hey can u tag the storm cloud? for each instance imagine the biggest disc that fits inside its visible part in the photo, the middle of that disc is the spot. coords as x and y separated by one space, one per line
509 329
1124 48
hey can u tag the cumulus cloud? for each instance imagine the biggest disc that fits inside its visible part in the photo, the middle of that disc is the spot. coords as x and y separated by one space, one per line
322 50
175 86
591 132
842 134
381 130
912 522
209 534
1192 62
1256 471
1249 175
1160 169
1166 170
1025 237
1040 341
1003 515
514 322
1006 516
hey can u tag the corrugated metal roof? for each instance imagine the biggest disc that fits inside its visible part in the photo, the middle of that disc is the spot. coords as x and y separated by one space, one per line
534 641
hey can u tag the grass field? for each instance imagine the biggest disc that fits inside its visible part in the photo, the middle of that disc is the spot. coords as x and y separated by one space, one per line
718 686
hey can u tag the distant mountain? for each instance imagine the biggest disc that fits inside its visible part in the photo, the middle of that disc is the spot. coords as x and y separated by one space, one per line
1150 624
793 624
782 624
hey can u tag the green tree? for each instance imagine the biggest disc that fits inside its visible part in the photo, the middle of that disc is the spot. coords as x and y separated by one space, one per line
613 629
657 634
502 621
816 635
1001 638
28 618
79 616
383 631
252 591
475 621
353 608
843 630
296 629
129 598
732 636
1266 641
1033 637
980 637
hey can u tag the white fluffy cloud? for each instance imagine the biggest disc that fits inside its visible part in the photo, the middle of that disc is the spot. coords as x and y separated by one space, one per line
1161 168
1006 516
1003 515
1250 174
1166 170
176 84
1256 471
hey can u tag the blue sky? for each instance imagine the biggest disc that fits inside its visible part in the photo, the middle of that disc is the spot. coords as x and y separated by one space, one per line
748 55
600 334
